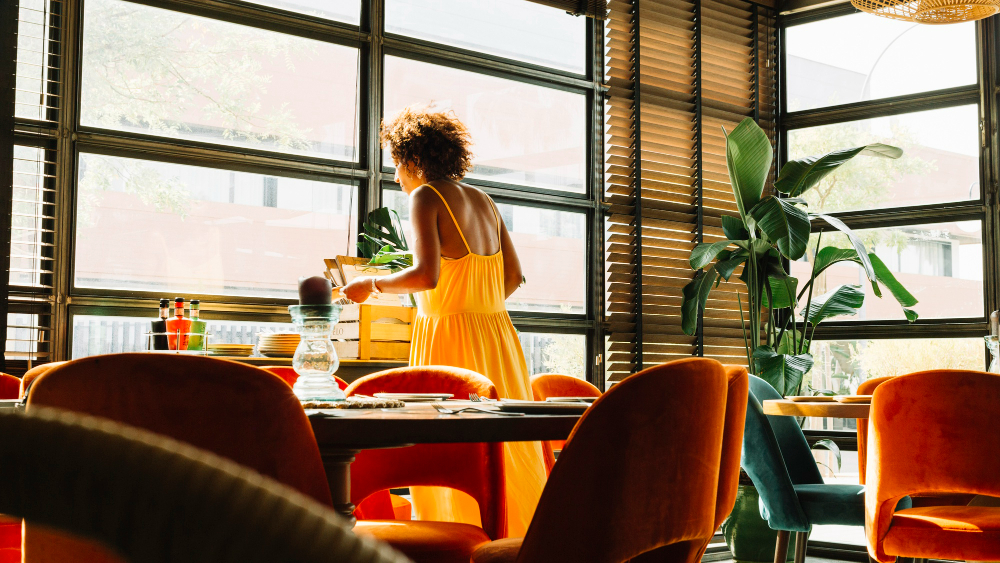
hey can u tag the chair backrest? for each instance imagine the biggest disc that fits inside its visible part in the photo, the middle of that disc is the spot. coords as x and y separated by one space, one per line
237 411
233 410
154 500
866 388
545 385
930 432
639 471
732 441
425 379
33 373
776 456
290 376
473 468
10 386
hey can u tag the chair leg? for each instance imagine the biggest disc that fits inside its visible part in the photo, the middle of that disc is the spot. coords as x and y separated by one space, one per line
781 546
801 540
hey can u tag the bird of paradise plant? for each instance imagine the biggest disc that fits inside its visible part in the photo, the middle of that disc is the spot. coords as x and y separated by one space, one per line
770 231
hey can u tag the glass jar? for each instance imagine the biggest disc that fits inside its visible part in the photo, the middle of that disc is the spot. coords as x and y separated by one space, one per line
315 359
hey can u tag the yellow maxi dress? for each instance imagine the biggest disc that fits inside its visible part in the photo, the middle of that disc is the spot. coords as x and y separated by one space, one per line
463 322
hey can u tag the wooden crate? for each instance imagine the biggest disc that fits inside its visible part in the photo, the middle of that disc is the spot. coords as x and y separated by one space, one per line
374 332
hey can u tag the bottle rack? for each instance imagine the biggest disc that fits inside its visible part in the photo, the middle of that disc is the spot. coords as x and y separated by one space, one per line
178 334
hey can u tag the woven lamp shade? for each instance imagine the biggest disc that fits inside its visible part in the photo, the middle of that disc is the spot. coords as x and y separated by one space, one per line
930 11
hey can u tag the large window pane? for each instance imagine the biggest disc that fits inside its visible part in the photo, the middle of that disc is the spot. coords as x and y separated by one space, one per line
522 133
151 226
555 353
940 161
341 10
551 246
940 264
860 57
165 73
509 28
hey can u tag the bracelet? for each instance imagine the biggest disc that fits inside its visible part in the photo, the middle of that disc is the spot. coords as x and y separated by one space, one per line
375 290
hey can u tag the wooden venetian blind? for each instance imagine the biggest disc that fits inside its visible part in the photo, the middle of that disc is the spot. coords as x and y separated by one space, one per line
678 71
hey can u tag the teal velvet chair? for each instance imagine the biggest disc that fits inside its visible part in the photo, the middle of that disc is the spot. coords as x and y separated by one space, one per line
793 496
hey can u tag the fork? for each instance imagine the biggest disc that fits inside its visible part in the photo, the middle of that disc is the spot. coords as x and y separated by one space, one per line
475 398
445 410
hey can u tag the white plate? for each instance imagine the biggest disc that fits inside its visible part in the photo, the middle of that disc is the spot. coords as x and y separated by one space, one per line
541 407
415 397
570 399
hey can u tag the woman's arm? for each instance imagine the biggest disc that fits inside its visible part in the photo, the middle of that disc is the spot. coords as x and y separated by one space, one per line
426 269
512 276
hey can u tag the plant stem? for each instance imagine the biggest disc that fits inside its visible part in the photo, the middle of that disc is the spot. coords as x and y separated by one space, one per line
743 327
812 279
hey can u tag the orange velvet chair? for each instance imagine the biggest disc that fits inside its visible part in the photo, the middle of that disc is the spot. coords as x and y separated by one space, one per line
290 376
934 432
34 373
474 468
10 386
10 528
233 410
638 474
545 385
868 388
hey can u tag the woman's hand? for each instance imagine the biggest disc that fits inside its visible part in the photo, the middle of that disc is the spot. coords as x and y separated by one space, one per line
358 290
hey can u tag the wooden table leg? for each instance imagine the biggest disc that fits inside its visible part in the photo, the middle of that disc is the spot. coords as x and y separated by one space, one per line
338 474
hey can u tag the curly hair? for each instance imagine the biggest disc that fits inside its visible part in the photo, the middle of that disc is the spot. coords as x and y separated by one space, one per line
435 143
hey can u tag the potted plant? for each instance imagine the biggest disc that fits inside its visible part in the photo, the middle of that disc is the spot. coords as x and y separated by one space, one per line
770 231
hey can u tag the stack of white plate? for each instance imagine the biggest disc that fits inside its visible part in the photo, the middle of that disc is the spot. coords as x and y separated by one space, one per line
230 349
278 344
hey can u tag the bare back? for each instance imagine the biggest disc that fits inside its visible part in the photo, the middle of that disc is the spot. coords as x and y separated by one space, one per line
474 213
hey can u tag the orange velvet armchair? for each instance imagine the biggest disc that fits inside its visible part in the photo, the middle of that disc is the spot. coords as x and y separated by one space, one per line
33 373
474 468
637 474
291 376
545 385
10 528
233 410
933 432
10 386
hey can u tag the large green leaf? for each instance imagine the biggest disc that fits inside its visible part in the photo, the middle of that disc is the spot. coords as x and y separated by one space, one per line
842 300
904 297
783 223
797 176
748 157
863 258
830 255
882 273
729 261
783 289
704 253
695 295
783 371
734 229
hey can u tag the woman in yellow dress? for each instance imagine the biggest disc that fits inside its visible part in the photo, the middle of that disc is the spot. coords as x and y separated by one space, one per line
464 268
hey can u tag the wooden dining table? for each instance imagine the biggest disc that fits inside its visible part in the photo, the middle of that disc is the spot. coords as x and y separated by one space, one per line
342 433
822 409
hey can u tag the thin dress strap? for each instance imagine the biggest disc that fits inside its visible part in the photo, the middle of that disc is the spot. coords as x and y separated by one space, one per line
448 207
496 215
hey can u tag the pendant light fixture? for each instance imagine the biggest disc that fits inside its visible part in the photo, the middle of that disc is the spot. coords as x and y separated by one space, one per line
934 12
